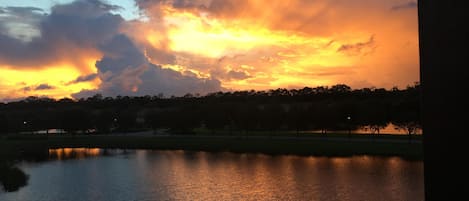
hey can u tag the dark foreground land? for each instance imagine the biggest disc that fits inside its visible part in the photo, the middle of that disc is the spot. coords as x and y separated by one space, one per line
330 145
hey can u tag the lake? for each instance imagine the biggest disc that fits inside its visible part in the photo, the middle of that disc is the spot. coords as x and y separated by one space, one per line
114 174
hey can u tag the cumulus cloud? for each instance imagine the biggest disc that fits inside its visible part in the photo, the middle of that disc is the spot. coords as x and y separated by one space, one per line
75 30
124 70
68 33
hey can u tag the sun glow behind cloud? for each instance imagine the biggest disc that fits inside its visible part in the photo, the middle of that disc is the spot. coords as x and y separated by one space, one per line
278 58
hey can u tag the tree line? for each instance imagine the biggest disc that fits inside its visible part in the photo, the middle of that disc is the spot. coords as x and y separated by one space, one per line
322 108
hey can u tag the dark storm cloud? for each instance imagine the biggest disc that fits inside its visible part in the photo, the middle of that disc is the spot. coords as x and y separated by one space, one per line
152 79
172 82
68 31
119 53
124 70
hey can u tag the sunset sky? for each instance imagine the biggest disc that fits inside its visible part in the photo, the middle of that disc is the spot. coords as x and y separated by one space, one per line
65 48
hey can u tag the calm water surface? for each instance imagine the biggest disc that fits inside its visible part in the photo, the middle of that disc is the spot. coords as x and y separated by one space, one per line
96 174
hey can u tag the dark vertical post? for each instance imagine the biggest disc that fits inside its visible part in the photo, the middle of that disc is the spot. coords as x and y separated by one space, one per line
444 61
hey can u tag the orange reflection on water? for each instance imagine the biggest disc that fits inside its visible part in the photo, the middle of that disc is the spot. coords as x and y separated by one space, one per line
73 153
225 176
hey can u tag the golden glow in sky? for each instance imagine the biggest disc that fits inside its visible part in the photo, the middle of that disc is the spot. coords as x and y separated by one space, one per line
272 51
55 81
241 44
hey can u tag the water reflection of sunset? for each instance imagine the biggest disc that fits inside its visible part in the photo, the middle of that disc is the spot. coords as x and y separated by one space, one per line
191 175
74 153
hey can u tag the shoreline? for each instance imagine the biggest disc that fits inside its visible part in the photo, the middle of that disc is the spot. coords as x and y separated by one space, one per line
18 147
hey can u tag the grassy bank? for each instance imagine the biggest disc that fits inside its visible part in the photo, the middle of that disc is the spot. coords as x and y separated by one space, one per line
19 146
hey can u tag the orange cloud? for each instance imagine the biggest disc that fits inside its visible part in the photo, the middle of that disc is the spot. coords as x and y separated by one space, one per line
289 43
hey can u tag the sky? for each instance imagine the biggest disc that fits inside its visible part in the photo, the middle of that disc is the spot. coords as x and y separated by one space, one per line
78 48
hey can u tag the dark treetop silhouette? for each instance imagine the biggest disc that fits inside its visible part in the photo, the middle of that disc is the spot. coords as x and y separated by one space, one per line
322 108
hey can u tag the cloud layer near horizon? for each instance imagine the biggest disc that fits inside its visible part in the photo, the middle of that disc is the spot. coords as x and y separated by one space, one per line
200 46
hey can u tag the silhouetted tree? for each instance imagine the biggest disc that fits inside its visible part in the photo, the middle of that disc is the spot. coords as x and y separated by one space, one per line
325 116
373 116
154 119
215 117
298 118
246 117
272 116
180 120
103 120
4 127
320 108
11 177
411 127
406 112
74 120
